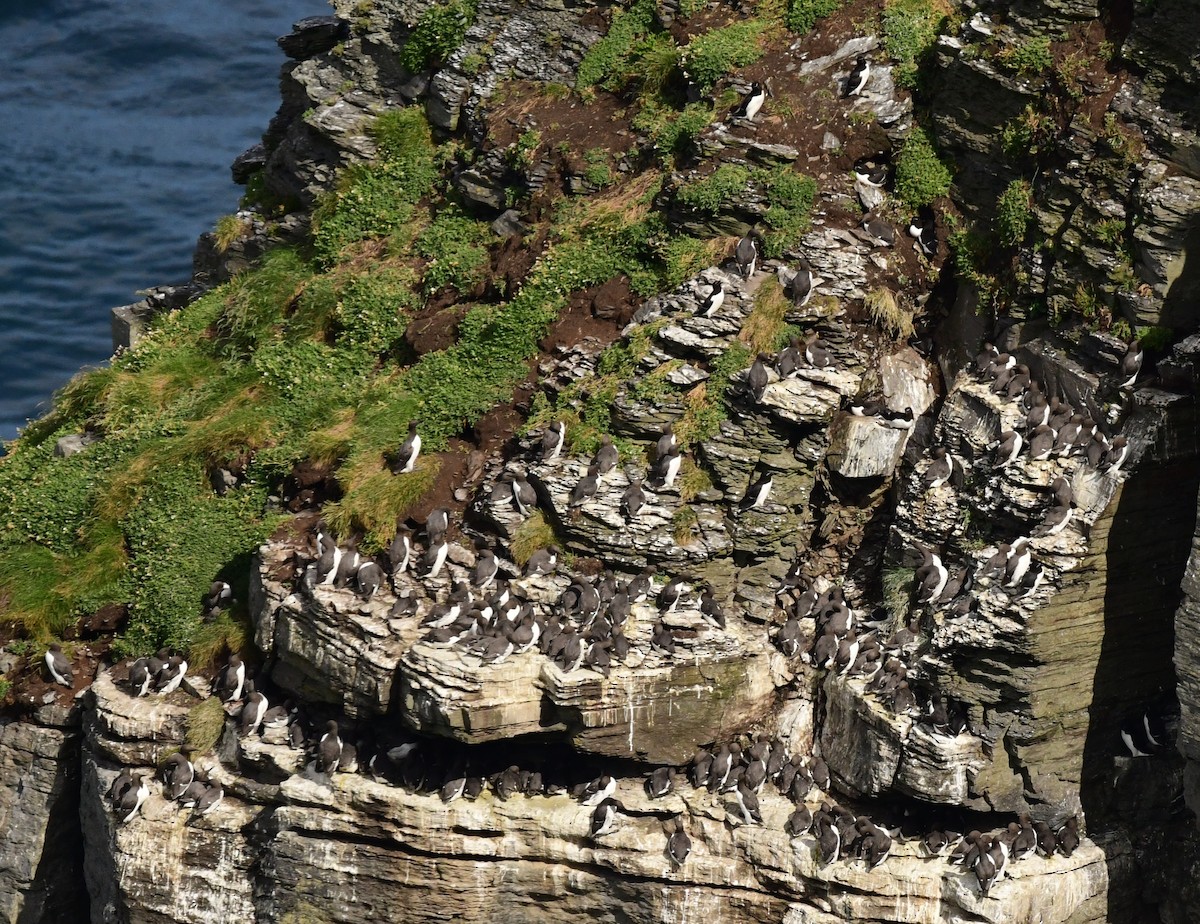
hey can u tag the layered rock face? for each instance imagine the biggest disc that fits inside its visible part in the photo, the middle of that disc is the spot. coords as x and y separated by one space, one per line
1041 669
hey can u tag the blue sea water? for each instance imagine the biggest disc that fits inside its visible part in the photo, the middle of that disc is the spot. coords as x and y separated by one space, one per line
118 122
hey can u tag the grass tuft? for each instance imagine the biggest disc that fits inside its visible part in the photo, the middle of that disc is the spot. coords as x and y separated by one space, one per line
204 724
888 314
683 525
765 323
535 533
921 176
373 498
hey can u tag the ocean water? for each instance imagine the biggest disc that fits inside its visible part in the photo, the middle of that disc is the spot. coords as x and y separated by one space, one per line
118 122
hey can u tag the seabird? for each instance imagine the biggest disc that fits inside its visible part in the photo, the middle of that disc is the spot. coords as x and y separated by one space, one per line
177 774
253 711
752 102
524 496
816 355
985 357
604 818
1068 837
660 783
598 790
1055 521
710 609
866 407
606 456
1038 414
923 230
437 524
59 667
1131 364
369 577
829 839
661 639
679 845
789 360
667 468
233 677
543 561
859 75
746 256
552 440
712 302
486 569
666 442
218 598
940 470
758 377
670 596
410 449
1041 443
586 487
132 798
1019 559
1068 434
139 677
757 492
208 802
633 499
329 749
748 803
897 420
1009 448
400 551
172 674
880 231
799 822
802 284
1116 456
435 558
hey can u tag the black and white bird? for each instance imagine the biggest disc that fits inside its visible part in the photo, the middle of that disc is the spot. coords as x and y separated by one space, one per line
802 284
666 469
586 487
369 578
1116 455
604 819
400 551
751 103
218 599
437 524
140 677
757 491
879 230
633 499
940 469
232 680
207 803
410 450
543 561
710 609
670 596
712 302
1041 443
1131 364
59 667
660 783
523 493
859 75
329 749
748 803
746 256
923 230
177 774
132 798
253 711
598 790
758 377
679 845
606 456
486 569
435 558
552 440
1008 448
172 674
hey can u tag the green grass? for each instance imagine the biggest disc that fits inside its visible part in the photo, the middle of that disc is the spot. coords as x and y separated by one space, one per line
803 15
897 590
910 28
1013 213
709 57
886 311
789 199
673 133
204 724
762 327
683 525
608 58
456 248
1027 58
437 33
533 534
921 177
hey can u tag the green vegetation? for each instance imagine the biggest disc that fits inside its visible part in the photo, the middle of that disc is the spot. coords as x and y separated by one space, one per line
1027 58
439 31
608 58
204 724
1013 213
910 28
672 132
598 173
765 323
897 590
1027 135
683 525
709 57
886 311
535 533
694 480
229 228
803 15
456 248
1155 338
921 176
789 199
